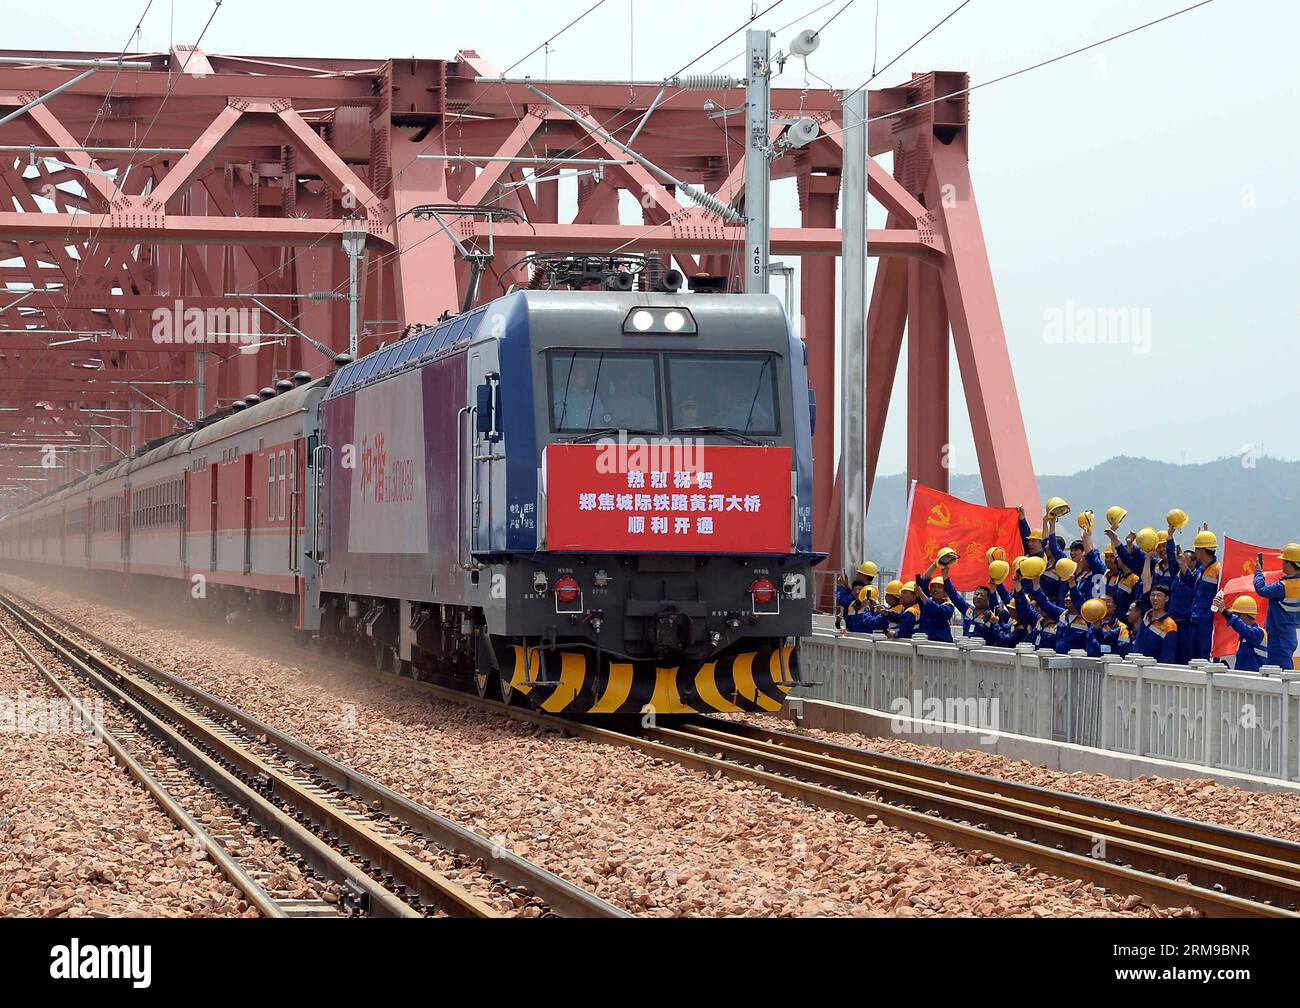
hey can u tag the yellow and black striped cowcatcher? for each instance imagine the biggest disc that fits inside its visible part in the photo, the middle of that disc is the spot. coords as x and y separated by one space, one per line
567 682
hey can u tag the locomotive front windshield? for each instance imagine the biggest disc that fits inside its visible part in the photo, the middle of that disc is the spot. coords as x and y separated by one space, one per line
732 391
594 390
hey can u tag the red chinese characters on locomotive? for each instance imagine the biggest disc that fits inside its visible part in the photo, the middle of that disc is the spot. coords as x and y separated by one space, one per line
382 481
726 500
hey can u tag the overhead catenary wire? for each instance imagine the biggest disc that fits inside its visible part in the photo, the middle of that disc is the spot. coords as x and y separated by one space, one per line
1023 70
608 125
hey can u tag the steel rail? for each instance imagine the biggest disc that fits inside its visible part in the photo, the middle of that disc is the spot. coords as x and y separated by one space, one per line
1246 848
562 897
1154 848
966 833
232 771
1256 863
234 872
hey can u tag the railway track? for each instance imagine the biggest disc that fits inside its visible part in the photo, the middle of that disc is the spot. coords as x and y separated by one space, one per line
380 850
1166 860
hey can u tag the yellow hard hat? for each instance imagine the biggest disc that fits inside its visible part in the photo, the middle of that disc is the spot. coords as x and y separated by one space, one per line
1035 533
1206 540
1094 610
1245 605
1147 539
1115 515
910 586
1109 550
894 587
1032 567
1291 552
1065 568
998 571
947 555
1177 518
1162 536
1056 507
868 591
868 568
995 553
1087 521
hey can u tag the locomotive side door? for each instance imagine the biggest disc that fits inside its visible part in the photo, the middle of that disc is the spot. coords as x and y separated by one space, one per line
486 473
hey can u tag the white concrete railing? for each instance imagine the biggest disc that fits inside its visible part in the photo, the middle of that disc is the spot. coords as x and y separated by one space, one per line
1208 714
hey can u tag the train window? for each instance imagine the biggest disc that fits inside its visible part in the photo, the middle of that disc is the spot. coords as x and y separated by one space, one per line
282 485
723 390
270 487
592 391
456 334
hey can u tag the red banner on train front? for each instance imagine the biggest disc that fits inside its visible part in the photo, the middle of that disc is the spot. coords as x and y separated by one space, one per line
649 498
937 519
1237 578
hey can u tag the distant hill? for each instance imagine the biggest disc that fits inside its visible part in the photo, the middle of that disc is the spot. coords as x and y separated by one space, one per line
1257 500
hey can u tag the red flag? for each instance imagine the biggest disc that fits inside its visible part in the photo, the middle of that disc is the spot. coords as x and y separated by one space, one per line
936 520
1237 578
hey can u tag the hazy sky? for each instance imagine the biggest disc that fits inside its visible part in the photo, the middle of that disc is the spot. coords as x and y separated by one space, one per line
1152 180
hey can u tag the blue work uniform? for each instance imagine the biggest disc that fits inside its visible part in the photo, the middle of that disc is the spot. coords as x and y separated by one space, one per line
1283 616
1202 617
1157 638
1111 637
936 618
1252 651
1122 586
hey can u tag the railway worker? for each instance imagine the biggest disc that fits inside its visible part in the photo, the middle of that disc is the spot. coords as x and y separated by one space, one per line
1039 620
577 404
1182 589
978 619
1252 652
1091 577
1206 587
1112 633
1053 584
1283 606
936 610
1031 539
847 595
863 617
908 614
1158 635
1120 583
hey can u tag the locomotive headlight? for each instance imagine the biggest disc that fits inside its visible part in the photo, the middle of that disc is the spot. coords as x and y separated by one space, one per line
667 321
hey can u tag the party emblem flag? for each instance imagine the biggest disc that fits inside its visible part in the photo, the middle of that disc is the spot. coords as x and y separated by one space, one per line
937 519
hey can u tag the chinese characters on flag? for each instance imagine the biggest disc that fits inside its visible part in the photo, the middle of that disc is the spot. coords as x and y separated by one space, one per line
715 499
936 520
